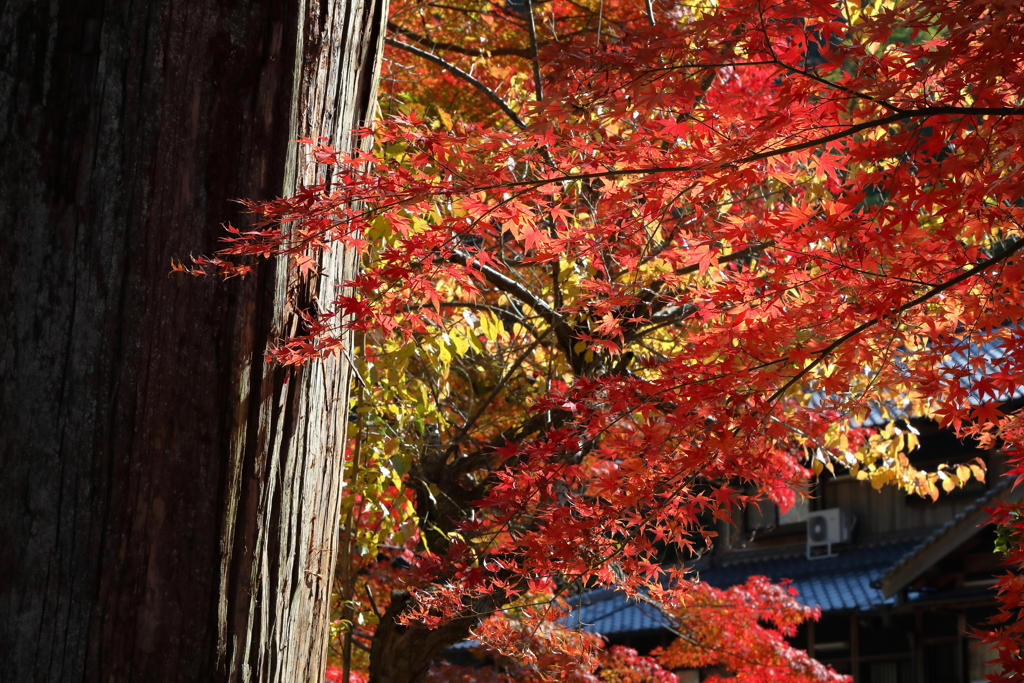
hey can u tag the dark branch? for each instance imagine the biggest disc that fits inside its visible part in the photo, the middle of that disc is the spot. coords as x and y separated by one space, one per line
563 333
509 373
966 275
459 73
458 49
902 115
538 85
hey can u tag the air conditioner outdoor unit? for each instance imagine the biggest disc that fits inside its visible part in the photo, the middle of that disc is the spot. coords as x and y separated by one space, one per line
826 528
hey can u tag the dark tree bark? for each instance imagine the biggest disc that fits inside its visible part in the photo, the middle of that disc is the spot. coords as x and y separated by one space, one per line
403 654
168 501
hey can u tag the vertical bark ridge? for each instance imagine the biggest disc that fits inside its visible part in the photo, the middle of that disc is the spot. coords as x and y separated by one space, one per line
137 416
296 532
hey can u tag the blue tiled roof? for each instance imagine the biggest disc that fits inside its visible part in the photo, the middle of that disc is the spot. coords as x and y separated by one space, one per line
1001 489
839 583
982 359
609 612
842 582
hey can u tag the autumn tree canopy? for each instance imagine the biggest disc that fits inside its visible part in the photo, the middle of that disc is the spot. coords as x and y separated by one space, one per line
624 263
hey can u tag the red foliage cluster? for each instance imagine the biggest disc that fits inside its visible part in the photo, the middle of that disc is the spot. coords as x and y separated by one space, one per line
335 675
744 630
1005 631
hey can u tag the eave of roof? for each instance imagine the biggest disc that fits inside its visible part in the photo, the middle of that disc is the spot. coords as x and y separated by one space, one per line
945 539
846 581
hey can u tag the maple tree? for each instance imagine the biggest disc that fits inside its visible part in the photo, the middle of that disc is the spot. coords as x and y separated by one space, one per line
645 259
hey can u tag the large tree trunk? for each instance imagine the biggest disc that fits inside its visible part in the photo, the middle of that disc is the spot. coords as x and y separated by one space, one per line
168 502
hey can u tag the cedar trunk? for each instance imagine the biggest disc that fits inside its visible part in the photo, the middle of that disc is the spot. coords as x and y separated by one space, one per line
168 501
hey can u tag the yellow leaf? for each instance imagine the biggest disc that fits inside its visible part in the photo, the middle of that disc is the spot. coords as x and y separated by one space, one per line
406 351
474 340
381 225
443 354
487 325
460 343
446 119
912 441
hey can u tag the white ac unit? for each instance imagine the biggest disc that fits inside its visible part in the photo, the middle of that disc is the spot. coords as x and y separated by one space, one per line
826 528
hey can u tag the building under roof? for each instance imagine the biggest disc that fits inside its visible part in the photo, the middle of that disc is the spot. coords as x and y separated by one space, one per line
898 598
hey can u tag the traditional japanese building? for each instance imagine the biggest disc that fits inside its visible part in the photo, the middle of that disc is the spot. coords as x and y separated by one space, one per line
900 580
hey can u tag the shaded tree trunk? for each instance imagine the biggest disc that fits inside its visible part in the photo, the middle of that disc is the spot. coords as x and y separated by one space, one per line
168 501
403 654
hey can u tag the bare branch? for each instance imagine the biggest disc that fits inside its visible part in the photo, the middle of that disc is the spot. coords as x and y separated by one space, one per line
667 317
510 316
510 286
459 73
431 44
837 86
538 86
509 373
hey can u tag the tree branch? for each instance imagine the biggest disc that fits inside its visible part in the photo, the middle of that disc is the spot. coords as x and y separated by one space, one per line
553 318
459 73
671 315
966 275
431 44
538 86
902 115
516 364
647 300
505 314
837 86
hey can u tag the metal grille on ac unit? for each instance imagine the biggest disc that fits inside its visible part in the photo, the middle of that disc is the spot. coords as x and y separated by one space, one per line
826 528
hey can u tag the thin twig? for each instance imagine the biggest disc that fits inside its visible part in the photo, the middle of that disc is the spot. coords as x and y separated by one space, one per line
373 603
513 368
837 86
513 288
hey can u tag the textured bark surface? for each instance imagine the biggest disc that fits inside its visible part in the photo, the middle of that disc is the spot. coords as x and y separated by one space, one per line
168 503
402 654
